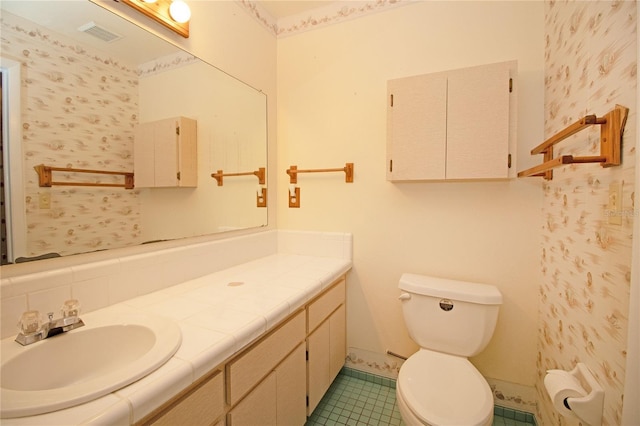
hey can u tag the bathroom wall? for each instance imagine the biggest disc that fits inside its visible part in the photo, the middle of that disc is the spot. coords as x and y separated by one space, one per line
332 110
590 66
231 136
78 109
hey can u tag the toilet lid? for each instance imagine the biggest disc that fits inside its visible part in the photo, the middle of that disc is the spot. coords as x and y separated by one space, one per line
443 389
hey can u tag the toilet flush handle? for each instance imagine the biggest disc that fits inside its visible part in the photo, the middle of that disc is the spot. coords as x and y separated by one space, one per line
405 296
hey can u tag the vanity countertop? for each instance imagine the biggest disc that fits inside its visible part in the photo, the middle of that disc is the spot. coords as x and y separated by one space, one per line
218 314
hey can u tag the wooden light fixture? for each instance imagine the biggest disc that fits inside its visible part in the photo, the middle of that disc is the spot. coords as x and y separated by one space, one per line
173 14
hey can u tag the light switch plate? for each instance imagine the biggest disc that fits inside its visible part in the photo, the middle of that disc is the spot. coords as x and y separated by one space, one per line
44 200
614 211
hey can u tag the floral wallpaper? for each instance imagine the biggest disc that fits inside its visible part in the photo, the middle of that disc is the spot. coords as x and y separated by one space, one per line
590 63
332 13
78 111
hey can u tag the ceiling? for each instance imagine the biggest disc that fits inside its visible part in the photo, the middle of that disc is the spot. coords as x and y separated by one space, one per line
136 46
284 8
67 20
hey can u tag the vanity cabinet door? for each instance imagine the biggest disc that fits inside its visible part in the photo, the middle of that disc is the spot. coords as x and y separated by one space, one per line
320 309
165 153
327 351
246 370
318 375
201 404
279 399
326 343
337 341
259 407
291 387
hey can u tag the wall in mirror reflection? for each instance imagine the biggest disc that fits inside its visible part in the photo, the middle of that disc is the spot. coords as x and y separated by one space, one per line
230 119
79 109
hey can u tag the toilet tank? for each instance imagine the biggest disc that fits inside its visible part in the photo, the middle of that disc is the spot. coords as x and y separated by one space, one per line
454 317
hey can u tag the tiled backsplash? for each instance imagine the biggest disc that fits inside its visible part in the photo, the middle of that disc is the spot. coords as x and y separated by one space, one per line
103 283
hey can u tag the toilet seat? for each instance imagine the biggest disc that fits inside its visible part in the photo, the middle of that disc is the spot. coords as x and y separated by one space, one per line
441 389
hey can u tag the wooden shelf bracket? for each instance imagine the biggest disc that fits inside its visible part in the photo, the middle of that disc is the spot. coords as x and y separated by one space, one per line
45 177
611 130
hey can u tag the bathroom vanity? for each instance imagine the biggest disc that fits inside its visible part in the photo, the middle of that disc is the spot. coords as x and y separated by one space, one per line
267 382
262 340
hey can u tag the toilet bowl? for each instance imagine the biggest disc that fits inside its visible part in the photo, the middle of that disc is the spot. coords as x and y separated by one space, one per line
443 390
451 321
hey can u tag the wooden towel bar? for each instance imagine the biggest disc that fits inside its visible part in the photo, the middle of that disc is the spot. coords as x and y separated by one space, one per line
219 175
45 178
347 169
611 129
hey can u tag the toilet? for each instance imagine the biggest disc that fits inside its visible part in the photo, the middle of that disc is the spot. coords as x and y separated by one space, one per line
451 321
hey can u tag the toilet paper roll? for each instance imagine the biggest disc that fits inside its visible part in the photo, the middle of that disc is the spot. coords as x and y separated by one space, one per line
561 385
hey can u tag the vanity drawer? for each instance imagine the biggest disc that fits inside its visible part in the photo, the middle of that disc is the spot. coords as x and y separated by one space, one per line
323 306
202 403
245 371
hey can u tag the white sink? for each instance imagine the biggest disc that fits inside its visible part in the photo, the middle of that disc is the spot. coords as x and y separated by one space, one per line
108 353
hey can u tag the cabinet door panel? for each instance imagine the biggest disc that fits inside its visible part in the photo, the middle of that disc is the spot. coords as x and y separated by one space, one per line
478 122
166 143
188 161
322 307
318 365
144 155
337 341
248 368
258 407
292 389
201 406
417 128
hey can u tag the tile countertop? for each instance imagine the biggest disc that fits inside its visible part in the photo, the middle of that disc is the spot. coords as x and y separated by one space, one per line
218 314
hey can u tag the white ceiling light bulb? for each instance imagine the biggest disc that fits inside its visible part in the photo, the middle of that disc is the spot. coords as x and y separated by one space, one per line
180 11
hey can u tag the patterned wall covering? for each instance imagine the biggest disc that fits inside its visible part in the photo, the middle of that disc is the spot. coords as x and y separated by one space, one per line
590 66
78 110
333 13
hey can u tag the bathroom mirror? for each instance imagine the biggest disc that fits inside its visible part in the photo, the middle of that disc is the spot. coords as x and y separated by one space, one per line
85 79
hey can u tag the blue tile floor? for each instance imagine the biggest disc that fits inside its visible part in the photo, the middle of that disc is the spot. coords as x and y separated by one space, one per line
359 399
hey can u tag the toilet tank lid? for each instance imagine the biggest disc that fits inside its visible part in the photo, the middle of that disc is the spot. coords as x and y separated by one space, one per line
464 291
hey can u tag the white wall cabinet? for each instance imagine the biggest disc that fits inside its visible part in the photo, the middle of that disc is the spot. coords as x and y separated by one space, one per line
458 124
165 153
